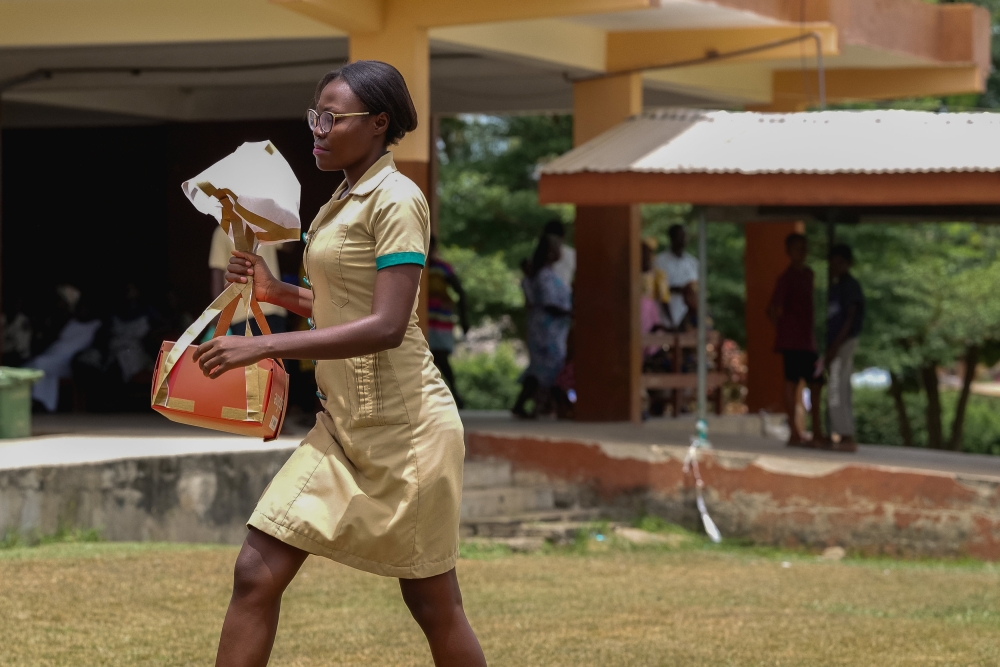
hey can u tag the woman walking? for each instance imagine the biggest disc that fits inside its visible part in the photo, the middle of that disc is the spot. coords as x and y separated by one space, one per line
377 483
549 303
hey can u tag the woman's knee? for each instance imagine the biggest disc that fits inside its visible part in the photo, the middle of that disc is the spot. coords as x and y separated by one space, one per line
265 566
251 577
432 601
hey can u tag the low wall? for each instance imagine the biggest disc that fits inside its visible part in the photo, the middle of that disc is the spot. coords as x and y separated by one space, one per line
191 498
787 502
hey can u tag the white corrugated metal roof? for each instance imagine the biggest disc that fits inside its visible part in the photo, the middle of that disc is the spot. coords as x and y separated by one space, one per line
688 141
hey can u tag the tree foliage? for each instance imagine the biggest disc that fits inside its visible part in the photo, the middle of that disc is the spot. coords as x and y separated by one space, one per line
488 188
931 302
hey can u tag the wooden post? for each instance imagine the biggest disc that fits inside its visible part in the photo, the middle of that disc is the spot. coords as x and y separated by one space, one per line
765 260
608 353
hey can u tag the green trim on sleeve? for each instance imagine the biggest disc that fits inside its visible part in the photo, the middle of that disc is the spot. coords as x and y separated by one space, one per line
394 258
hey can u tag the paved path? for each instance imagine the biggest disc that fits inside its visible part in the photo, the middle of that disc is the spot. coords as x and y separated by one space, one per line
735 436
74 439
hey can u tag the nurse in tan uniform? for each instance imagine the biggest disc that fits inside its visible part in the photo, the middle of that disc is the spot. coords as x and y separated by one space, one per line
377 484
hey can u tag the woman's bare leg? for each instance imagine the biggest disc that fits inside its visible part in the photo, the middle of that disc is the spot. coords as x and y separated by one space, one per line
436 605
263 570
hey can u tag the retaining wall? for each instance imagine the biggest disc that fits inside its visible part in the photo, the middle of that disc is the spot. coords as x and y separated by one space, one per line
192 498
870 509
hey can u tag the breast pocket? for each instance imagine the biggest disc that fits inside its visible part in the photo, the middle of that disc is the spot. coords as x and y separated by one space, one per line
332 254
376 399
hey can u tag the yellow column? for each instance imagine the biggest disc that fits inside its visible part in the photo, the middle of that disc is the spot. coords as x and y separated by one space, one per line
404 45
608 354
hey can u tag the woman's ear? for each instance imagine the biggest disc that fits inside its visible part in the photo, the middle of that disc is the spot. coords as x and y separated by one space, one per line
380 123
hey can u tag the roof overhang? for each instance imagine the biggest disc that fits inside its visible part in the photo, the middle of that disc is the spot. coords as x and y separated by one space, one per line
515 56
881 164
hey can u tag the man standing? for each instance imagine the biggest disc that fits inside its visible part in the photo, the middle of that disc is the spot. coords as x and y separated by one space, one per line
791 310
681 269
845 315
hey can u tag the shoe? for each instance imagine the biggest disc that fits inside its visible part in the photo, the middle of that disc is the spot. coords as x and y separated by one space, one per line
843 445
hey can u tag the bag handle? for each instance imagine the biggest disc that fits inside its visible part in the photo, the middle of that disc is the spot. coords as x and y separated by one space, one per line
224 306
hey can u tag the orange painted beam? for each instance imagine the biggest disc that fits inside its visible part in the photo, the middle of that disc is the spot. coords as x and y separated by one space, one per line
942 32
649 48
793 87
600 104
369 15
764 260
934 189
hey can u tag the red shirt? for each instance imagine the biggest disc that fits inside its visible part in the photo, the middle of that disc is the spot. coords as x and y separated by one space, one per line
793 293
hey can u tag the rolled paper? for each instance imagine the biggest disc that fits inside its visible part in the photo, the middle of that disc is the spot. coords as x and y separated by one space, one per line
255 187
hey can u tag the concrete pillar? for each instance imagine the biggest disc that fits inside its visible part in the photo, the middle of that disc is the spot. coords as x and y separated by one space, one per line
405 46
764 260
608 352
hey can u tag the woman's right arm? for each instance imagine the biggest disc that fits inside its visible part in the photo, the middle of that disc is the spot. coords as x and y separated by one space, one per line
245 266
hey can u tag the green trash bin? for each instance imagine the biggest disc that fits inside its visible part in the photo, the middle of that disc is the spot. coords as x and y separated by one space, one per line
15 400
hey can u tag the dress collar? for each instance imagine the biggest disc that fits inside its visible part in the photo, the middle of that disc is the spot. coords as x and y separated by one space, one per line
372 178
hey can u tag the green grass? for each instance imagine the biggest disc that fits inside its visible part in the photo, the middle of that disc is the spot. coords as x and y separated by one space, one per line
13 538
596 602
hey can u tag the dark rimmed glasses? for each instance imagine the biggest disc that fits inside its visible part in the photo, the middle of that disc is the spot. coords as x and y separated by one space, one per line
324 121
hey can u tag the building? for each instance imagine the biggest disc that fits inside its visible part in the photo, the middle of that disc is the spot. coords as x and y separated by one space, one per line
164 88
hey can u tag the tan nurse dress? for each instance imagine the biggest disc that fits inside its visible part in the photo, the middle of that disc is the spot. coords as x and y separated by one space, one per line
377 484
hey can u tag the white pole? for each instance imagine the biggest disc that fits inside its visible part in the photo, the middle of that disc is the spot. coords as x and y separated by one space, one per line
702 316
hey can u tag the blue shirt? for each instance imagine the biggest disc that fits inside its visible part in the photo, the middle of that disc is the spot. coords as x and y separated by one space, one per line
844 293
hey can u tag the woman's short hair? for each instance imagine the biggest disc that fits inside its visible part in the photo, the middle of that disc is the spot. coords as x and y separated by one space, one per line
381 88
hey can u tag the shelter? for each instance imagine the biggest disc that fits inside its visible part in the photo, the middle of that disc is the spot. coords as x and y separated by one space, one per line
773 171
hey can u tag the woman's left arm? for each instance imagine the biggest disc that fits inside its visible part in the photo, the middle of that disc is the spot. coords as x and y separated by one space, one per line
392 303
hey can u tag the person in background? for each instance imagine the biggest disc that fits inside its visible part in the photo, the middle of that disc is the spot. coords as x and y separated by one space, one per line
844 318
791 311
655 299
565 268
15 344
441 278
549 303
681 269
653 303
75 336
218 260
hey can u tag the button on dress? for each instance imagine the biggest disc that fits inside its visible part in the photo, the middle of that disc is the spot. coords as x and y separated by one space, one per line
377 483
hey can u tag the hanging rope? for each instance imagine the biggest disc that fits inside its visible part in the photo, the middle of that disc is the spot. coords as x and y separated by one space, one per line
700 442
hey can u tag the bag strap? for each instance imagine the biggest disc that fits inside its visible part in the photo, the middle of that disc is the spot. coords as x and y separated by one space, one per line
224 306
230 296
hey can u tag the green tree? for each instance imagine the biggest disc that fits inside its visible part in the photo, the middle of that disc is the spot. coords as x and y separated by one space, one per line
930 299
489 185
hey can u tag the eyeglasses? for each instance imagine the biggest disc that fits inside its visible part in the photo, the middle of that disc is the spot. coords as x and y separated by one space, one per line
324 121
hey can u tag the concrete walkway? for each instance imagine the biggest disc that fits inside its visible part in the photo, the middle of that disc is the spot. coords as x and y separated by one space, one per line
73 439
739 435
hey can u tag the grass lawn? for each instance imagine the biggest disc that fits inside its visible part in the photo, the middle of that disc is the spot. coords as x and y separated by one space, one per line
601 603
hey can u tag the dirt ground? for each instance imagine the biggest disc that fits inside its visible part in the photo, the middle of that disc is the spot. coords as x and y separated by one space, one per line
107 604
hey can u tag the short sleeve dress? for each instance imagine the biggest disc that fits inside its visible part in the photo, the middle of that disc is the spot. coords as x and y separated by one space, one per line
377 483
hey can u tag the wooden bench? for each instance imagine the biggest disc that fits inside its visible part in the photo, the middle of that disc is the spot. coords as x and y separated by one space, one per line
676 344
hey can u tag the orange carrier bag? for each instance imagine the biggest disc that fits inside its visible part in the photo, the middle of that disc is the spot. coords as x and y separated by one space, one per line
245 401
